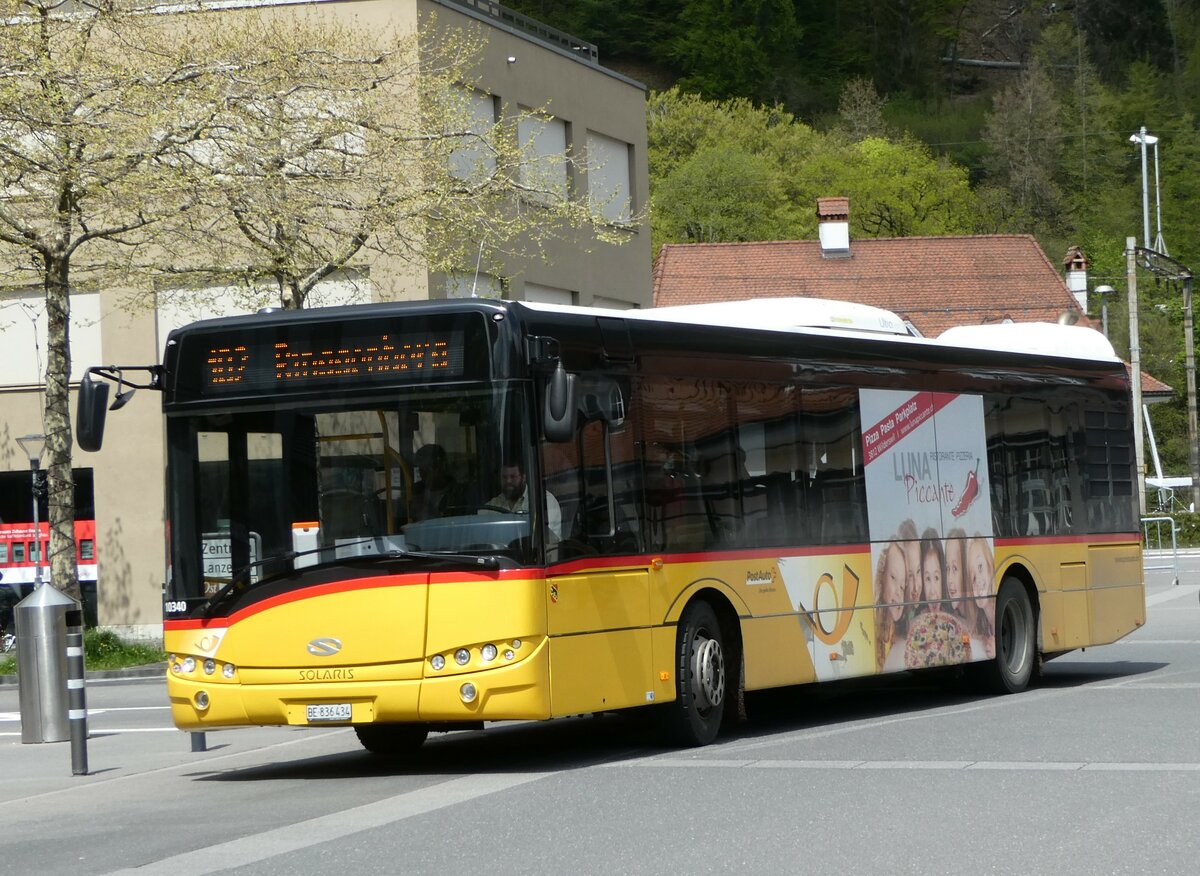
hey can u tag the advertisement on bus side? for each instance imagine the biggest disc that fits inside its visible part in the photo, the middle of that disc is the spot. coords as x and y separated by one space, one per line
930 522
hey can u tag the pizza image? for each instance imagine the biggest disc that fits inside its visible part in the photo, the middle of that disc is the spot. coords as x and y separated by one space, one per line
936 639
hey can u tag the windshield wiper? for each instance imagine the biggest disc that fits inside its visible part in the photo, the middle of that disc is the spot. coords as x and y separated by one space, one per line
241 582
487 561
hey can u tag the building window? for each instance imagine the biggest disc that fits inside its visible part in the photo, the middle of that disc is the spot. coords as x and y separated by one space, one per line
472 285
177 307
474 160
612 303
609 187
548 294
23 324
543 143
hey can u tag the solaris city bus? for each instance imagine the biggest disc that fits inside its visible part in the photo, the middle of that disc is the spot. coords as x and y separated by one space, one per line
426 515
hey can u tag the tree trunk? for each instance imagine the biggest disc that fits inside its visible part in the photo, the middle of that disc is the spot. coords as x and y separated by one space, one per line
56 420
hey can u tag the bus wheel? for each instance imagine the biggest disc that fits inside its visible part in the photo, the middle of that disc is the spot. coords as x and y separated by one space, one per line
391 740
1016 643
701 681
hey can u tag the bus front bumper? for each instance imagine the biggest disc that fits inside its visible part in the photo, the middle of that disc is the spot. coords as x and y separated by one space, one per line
273 697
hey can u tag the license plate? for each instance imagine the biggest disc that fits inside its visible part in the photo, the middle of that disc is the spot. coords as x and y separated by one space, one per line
328 712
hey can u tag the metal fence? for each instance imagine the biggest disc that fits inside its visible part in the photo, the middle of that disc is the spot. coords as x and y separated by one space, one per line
1154 539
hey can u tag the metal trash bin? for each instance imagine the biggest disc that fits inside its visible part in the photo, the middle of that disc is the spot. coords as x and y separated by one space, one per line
42 618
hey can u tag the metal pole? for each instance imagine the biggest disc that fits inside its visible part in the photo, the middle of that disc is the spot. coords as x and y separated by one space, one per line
1135 367
1159 243
77 701
1189 348
1104 317
1145 191
34 466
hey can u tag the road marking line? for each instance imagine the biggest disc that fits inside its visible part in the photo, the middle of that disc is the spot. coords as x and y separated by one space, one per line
101 711
1177 592
327 828
204 760
962 765
1152 685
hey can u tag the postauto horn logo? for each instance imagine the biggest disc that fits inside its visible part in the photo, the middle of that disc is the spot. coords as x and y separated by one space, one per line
324 647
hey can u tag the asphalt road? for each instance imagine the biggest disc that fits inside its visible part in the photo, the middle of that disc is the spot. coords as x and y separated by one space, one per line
1096 770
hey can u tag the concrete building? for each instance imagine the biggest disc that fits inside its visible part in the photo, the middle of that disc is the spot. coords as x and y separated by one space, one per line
595 112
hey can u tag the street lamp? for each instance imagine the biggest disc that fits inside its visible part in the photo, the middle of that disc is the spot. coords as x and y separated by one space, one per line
1104 291
33 445
1141 138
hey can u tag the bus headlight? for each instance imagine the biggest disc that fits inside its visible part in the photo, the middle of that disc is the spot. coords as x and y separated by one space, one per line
189 665
228 670
468 692
210 666
438 662
201 700
488 653
462 656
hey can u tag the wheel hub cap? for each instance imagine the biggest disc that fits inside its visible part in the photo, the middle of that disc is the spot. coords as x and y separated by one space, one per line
708 673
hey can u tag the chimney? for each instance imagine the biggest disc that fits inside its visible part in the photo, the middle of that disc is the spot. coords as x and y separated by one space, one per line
1076 266
833 227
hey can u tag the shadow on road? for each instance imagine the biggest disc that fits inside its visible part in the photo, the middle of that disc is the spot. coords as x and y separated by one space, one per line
585 741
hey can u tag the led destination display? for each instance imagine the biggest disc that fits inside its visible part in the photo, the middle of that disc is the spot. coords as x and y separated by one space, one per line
297 357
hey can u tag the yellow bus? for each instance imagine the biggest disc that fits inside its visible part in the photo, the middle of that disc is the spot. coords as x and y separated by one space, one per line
423 516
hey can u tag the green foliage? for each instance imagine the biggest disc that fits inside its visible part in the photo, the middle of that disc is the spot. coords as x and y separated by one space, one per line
729 49
721 193
952 128
897 188
103 649
1187 529
730 171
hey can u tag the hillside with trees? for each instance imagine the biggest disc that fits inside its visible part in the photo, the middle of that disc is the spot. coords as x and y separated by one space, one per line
935 117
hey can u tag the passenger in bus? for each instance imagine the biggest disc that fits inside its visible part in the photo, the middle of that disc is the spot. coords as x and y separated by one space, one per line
933 571
891 621
678 518
958 589
981 585
437 493
514 496
907 536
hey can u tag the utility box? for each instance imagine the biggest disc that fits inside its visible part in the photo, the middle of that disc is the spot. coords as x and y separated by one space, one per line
42 618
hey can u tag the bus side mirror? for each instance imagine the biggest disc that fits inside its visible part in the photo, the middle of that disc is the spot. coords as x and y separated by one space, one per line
90 410
559 416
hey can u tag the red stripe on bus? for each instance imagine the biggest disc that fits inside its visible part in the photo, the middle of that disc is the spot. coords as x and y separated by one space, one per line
587 563
346 586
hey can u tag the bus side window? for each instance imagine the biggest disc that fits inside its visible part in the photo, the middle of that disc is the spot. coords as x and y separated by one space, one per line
836 490
575 474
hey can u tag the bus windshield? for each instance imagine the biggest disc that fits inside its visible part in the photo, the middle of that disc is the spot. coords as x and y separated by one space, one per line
269 491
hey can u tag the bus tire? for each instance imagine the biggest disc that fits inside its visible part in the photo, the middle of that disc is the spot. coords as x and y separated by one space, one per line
391 740
1016 640
701 678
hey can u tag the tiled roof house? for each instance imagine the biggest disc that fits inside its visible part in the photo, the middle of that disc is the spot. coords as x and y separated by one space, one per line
933 282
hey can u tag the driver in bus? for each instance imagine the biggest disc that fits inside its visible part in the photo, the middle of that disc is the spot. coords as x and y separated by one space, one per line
514 496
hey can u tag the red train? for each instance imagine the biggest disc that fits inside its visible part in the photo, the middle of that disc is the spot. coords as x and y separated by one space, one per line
18 552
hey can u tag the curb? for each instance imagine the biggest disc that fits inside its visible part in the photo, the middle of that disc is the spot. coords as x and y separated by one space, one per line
150 670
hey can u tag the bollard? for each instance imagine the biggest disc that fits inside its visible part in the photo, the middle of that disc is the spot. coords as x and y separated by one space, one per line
76 695
199 743
41 619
